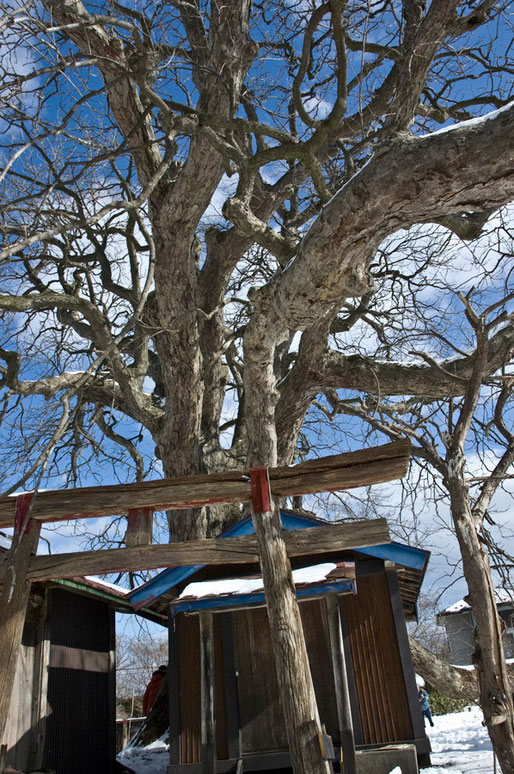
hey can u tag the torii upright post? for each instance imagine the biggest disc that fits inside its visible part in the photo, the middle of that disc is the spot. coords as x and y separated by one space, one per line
14 597
293 671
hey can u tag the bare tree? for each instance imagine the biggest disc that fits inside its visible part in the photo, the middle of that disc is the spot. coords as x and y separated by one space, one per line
195 202
136 659
481 407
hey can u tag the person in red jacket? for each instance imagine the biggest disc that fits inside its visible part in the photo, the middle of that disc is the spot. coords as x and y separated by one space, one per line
153 688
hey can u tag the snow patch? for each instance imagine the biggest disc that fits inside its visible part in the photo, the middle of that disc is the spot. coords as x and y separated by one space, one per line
5 543
472 122
501 596
314 574
106 584
459 741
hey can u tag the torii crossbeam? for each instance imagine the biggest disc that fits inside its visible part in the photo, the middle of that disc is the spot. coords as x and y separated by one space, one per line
20 567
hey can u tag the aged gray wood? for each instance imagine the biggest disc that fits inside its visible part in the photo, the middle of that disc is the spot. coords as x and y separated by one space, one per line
230 687
14 597
405 654
207 670
174 691
344 710
234 550
296 688
341 471
139 527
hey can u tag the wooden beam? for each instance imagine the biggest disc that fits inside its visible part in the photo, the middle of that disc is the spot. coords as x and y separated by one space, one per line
174 692
342 471
234 550
296 687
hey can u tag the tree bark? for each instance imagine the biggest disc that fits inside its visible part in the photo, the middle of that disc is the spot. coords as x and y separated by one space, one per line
449 680
488 658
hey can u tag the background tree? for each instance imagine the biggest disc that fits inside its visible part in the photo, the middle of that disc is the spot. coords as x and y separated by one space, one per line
210 219
136 659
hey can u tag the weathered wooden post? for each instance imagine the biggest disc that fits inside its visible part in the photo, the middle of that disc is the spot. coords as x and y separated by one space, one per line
294 677
14 598
344 710
208 720
139 527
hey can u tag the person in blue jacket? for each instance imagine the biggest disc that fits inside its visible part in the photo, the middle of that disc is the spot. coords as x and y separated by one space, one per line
425 706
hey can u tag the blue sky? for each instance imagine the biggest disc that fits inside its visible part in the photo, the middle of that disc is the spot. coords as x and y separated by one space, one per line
319 96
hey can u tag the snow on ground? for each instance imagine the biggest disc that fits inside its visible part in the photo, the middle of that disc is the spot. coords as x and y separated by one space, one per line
153 759
460 745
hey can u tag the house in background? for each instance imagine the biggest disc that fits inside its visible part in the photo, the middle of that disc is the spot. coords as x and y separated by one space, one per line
369 592
459 622
62 713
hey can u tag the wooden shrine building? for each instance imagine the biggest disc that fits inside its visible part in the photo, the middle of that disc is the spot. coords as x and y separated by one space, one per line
353 604
355 589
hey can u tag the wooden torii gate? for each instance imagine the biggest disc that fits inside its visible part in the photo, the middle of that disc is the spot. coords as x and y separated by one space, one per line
20 566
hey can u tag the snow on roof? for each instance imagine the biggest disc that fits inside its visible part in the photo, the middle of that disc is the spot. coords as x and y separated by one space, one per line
501 596
215 588
91 580
456 608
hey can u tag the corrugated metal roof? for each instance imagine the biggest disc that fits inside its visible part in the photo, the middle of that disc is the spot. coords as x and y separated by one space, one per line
407 556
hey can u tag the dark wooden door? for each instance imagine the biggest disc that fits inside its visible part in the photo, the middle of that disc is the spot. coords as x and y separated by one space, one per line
261 717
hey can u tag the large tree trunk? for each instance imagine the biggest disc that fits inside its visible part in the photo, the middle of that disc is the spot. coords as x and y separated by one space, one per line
489 659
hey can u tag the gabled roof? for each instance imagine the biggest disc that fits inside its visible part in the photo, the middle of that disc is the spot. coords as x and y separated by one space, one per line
414 559
502 597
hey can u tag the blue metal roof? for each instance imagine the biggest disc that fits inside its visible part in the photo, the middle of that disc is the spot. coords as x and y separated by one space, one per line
395 552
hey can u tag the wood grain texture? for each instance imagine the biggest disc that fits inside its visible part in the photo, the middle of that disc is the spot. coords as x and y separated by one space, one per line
207 706
341 471
289 649
14 596
383 705
235 550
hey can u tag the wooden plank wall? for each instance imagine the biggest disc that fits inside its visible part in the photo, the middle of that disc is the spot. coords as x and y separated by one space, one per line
382 698
315 628
18 731
381 694
190 719
80 724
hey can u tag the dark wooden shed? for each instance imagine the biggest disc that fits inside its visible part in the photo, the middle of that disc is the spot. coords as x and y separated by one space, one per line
62 711
371 609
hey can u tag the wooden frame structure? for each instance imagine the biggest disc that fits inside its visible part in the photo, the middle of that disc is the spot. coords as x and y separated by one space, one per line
137 501
365 701
363 673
